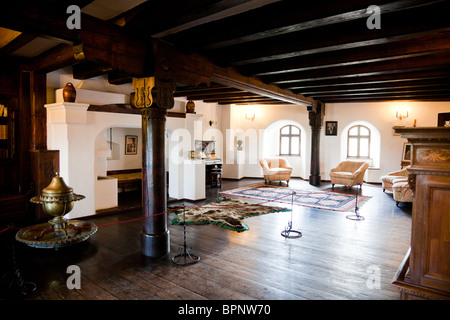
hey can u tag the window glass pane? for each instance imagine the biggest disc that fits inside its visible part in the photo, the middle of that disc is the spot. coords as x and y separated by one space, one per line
284 148
353 131
364 147
352 147
295 145
363 131
285 130
295 130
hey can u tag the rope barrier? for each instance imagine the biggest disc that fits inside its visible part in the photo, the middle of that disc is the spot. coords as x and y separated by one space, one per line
157 214
9 227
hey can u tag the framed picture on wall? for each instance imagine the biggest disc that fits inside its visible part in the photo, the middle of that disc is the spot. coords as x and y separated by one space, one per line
331 128
131 144
406 152
444 119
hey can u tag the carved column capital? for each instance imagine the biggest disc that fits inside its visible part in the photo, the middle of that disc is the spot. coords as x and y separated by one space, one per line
316 118
143 88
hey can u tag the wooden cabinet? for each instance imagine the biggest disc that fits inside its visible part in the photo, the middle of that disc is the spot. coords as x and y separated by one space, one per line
7 144
425 273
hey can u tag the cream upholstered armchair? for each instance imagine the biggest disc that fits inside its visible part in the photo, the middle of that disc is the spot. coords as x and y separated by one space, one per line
276 169
397 182
349 173
388 180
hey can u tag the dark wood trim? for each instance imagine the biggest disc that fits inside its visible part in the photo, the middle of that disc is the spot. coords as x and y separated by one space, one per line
123 171
124 109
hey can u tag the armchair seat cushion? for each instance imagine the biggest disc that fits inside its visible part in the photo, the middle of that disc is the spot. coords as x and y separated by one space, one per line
278 170
341 174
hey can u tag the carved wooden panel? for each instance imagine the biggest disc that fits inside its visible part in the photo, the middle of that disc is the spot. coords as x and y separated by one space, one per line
432 155
436 269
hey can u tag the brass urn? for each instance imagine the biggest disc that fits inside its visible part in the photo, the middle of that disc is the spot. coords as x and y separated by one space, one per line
57 200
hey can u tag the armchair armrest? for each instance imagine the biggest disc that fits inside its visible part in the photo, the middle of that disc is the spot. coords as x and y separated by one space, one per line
285 164
361 170
264 166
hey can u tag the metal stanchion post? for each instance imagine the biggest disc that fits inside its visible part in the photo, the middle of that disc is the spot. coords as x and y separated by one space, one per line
288 232
356 216
186 257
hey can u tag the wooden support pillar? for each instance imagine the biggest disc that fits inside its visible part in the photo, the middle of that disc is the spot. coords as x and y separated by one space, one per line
155 234
316 123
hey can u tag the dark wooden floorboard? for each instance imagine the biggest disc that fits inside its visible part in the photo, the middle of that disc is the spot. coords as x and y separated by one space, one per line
333 259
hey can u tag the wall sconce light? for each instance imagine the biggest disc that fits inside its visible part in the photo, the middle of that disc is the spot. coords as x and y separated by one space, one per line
250 116
401 115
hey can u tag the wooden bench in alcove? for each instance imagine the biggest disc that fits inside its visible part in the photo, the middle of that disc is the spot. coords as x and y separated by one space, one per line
126 178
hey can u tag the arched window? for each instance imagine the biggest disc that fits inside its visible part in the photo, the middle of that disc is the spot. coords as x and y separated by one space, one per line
289 141
358 142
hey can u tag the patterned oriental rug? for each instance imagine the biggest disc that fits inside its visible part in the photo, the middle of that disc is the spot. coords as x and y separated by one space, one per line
225 212
308 198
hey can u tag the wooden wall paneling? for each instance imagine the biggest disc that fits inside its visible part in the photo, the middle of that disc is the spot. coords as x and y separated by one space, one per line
44 166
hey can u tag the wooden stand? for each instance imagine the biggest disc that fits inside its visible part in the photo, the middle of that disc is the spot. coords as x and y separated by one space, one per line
425 271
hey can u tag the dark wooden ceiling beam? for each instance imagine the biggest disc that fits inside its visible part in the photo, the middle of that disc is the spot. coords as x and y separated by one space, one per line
437 89
420 97
399 78
323 16
235 101
16 44
162 18
58 57
346 35
374 87
265 22
237 95
425 61
118 78
100 40
304 84
207 91
273 102
37 19
429 42
89 69
195 69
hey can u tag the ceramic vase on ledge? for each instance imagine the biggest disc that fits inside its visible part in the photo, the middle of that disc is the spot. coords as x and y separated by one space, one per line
190 107
69 93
